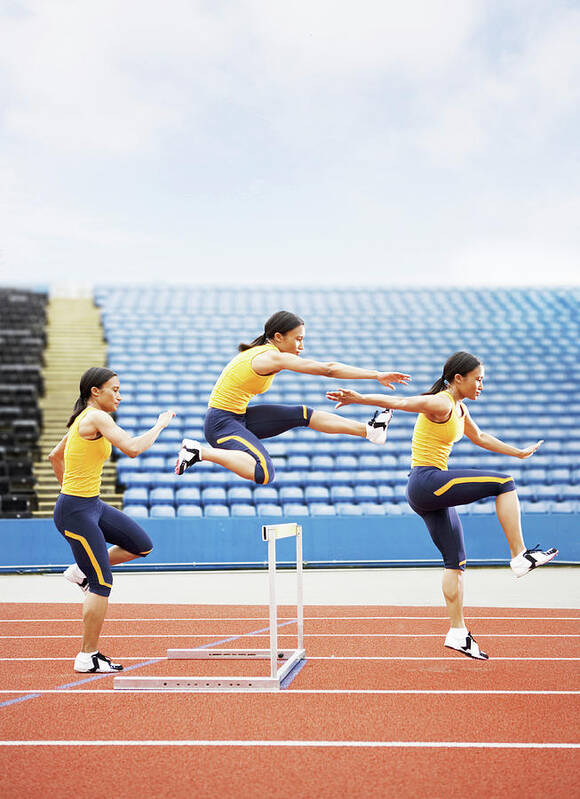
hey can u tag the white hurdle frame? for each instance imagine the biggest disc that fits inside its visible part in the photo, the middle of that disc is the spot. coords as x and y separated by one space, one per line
289 657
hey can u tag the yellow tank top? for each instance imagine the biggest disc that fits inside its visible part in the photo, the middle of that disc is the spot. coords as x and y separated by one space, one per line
432 441
238 382
83 462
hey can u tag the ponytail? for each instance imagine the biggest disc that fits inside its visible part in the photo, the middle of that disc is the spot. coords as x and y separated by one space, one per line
95 376
460 363
280 322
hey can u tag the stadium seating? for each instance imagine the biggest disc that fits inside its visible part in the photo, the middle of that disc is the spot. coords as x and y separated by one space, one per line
22 343
169 346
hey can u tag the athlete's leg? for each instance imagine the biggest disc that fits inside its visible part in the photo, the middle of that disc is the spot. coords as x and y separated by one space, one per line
452 584
326 422
507 506
129 539
94 612
236 447
237 461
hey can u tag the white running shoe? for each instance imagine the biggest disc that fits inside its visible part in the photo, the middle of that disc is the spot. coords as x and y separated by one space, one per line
189 454
377 426
466 645
96 662
530 559
76 576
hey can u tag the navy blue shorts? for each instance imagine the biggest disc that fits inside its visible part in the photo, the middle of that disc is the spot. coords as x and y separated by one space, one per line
88 524
434 493
244 431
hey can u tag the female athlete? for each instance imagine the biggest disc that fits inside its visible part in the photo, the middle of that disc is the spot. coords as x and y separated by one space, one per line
433 491
82 518
234 430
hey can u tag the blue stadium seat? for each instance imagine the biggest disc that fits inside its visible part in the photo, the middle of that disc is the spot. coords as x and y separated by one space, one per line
214 496
348 509
242 509
162 512
321 509
325 462
216 510
341 493
240 494
372 509
164 495
265 495
136 496
189 511
291 494
290 509
385 493
269 509
316 494
371 462
190 495
365 493
136 511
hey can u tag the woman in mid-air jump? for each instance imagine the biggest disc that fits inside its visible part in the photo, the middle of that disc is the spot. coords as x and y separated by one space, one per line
433 490
235 431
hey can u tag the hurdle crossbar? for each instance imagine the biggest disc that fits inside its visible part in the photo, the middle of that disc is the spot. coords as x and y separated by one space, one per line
289 658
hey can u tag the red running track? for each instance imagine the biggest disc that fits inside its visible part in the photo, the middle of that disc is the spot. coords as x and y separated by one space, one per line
381 707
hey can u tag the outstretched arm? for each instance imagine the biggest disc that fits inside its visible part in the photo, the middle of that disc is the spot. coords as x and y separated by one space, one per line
130 445
274 361
435 406
493 444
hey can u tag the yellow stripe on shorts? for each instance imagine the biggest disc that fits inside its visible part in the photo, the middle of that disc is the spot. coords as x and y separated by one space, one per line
304 412
460 480
253 449
92 558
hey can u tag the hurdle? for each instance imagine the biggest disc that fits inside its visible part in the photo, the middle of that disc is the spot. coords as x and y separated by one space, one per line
288 657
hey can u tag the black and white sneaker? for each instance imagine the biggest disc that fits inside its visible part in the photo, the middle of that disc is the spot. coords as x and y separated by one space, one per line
189 454
377 426
76 576
467 645
95 663
530 559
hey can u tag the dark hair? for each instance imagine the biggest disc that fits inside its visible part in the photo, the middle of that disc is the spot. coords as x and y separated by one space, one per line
280 322
95 376
460 363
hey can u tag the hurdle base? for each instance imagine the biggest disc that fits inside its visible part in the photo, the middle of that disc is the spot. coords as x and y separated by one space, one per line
217 684
226 654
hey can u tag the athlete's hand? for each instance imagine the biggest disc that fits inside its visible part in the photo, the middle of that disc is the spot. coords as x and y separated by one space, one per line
343 396
387 379
165 417
528 451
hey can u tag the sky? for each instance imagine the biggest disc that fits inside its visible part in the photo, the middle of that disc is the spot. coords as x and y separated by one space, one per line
306 142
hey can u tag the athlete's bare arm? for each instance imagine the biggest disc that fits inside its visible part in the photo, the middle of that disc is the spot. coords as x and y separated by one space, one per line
97 421
436 407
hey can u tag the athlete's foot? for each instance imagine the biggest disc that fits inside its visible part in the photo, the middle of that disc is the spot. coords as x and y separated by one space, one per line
466 644
95 662
377 426
189 454
76 576
530 559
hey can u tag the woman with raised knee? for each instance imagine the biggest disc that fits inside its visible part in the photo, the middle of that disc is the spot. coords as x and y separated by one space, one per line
88 523
434 490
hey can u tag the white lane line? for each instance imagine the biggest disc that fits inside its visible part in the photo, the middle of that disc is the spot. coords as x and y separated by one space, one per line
450 658
320 744
340 691
306 618
282 635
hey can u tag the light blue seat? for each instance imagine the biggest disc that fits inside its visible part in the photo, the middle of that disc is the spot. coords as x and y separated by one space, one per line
340 478
568 492
189 511
321 509
268 509
539 507
399 493
365 493
346 462
127 466
341 493
392 509
325 462
136 496
316 494
299 462
265 495
190 495
372 508
371 462
240 494
389 461
162 512
216 510
559 475
483 508
164 495
154 463
385 493
291 494
137 479
159 479
242 509
290 478
545 492
290 509
214 495
564 507
348 509
136 511
533 476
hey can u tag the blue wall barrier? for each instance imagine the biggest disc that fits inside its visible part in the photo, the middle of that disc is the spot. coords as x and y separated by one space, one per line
36 545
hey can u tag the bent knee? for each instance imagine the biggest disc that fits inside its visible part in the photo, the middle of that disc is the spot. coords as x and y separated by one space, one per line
264 474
